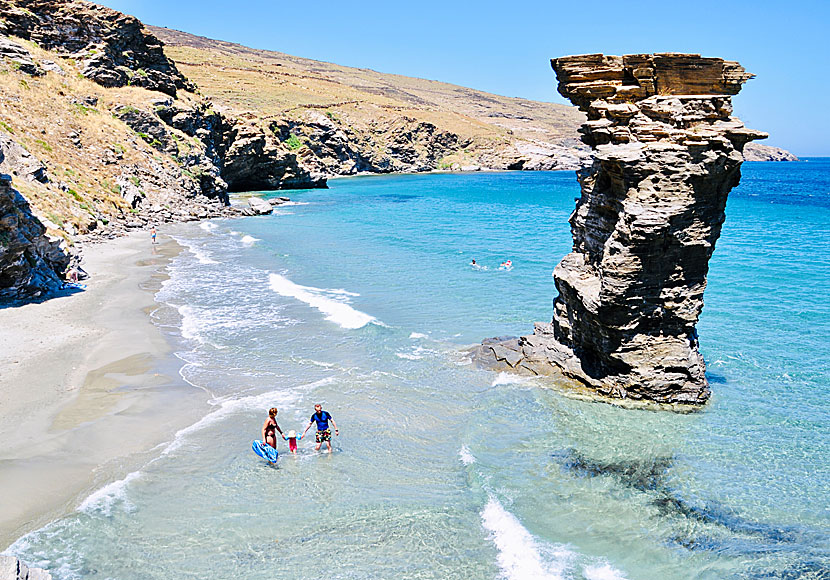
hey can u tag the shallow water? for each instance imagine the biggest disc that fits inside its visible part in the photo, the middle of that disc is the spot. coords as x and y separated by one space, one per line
362 297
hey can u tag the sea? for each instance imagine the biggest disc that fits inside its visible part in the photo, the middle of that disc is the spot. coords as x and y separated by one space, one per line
362 297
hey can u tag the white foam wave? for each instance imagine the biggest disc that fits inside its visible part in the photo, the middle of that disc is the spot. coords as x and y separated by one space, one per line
208 226
415 335
249 240
602 572
103 500
329 302
520 555
417 353
466 457
509 379
198 252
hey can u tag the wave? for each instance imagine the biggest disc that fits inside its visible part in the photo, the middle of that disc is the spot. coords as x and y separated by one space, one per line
466 457
208 226
520 555
510 379
326 301
249 240
415 335
198 252
103 499
602 572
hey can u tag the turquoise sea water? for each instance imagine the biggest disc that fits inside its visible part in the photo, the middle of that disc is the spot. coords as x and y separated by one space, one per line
362 297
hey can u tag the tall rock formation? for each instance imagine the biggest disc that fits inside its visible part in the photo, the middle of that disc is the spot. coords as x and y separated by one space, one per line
666 153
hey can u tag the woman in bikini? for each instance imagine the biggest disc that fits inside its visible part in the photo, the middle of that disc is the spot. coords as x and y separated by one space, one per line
269 427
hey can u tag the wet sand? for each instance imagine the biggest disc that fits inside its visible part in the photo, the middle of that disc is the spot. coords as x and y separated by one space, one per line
88 386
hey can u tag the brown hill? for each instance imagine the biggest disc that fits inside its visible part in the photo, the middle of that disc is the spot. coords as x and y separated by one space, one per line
309 97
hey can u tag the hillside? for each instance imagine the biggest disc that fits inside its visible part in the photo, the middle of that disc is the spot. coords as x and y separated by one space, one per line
309 98
313 99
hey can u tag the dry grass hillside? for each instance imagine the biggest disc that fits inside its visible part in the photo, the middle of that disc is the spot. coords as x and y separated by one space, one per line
273 85
67 124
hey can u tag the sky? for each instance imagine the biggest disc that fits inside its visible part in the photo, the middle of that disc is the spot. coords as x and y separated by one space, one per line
505 47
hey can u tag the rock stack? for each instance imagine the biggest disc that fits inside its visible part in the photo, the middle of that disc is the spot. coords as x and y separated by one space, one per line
666 153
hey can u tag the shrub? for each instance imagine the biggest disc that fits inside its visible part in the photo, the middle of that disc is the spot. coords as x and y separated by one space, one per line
293 142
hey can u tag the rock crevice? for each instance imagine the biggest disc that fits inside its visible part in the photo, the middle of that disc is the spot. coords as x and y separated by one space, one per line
666 153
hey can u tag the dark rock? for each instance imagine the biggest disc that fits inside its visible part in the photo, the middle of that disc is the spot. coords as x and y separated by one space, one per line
20 57
31 264
14 159
114 49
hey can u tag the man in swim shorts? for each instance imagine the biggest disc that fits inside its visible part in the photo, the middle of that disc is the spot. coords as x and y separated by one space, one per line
322 419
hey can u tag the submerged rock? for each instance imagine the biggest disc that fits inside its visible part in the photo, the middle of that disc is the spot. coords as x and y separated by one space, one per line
666 153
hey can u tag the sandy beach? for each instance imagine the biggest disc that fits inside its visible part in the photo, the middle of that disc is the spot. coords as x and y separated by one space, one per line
89 385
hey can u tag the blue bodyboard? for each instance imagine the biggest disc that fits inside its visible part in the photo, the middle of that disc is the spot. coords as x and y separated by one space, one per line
265 451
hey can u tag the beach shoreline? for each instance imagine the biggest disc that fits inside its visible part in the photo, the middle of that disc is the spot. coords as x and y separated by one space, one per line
90 385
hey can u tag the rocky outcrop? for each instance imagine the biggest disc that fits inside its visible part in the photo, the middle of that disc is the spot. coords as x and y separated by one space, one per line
13 569
21 57
666 154
332 146
112 48
31 264
252 159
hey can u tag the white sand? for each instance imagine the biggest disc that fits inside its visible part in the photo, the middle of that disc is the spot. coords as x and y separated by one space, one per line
87 386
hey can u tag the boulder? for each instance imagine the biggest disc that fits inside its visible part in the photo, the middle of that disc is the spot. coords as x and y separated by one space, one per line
20 57
260 206
13 569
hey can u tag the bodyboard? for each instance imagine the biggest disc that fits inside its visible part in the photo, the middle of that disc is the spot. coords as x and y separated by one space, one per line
265 451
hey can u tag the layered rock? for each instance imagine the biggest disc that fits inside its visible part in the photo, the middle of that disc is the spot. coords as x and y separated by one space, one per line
114 49
666 153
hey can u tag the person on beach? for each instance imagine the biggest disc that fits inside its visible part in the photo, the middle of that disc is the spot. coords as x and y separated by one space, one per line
322 419
270 427
153 234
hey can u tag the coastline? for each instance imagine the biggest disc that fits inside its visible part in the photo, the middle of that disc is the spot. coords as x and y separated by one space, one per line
89 385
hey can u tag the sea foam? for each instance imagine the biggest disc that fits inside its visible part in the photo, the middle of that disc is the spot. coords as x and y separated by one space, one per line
520 555
466 457
509 379
329 302
103 499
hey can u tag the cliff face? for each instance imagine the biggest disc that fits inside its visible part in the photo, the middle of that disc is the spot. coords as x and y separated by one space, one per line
666 153
31 264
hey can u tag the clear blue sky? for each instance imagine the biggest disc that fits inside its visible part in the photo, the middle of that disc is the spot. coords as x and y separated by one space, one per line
505 47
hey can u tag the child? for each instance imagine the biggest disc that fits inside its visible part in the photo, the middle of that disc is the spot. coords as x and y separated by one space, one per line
292 441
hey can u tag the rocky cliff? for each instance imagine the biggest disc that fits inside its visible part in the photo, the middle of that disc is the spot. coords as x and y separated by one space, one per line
666 152
31 264
104 134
